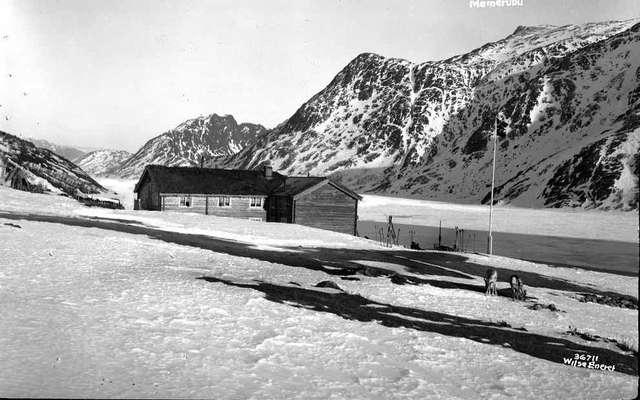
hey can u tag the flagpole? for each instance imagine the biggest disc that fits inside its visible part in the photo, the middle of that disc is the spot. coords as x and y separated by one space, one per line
493 179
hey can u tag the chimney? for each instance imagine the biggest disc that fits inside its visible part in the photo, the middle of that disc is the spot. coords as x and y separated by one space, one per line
268 170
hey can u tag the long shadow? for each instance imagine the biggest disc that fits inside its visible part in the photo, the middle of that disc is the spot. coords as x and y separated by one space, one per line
337 261
356 307
533 279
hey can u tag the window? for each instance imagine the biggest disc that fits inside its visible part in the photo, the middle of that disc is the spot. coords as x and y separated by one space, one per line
255 219
224 201
185 201
256 202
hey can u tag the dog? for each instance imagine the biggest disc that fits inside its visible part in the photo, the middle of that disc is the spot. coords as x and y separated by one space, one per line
517 288
490 279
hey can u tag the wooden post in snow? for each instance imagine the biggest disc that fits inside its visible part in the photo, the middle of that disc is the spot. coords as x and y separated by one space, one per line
493 179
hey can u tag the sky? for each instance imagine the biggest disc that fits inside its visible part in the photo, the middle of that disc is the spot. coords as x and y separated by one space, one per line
114 74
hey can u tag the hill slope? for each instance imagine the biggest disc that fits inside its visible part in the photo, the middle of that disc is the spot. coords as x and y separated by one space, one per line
568 99
71 153
42 169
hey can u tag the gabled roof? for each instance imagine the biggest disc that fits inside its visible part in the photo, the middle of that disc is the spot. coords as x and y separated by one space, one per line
296 186
190 180
238 182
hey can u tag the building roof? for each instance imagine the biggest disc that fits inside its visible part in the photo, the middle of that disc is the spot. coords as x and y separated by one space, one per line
298 185
190 180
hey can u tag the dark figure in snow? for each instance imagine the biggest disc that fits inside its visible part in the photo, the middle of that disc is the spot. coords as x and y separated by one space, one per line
517 288
490 279
415 246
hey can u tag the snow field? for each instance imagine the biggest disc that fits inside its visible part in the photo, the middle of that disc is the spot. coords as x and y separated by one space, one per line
130 319
586 317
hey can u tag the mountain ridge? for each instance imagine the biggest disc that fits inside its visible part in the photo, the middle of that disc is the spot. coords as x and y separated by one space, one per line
204 138
393 126
393 116
101 162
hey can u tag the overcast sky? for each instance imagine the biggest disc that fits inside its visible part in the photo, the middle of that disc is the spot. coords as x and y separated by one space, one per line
116 73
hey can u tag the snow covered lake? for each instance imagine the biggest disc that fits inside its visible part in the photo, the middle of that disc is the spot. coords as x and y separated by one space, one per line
605 255
606 240
572 223
117 303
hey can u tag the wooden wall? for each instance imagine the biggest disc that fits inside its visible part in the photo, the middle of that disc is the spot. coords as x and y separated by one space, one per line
148 197
279 209
327 208
239 206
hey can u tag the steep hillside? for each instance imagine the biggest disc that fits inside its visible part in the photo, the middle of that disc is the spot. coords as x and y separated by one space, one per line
207 137
71 153
38 169
99 162
565 94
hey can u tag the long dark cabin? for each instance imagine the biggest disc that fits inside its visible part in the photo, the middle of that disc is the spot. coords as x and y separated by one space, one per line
261 195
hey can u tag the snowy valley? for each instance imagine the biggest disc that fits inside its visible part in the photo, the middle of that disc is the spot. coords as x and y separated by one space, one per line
566 98
100 297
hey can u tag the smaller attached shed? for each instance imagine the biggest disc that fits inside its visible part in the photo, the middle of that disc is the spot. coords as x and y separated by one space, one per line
317 202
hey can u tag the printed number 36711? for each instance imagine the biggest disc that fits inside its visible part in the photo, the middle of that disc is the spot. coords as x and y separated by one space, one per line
585 357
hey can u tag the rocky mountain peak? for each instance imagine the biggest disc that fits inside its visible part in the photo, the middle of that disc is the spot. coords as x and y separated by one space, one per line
203 138
392 126
524 30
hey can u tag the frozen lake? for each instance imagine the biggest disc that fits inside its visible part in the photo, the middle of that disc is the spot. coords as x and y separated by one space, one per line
565 222
606 255
593 239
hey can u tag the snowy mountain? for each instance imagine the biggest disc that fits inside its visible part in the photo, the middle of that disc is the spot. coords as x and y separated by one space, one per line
70 153
97 163
210 137
39 169
567 97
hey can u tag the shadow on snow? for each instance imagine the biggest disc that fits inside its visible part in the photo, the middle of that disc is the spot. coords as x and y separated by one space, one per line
337 261
340 262
356 307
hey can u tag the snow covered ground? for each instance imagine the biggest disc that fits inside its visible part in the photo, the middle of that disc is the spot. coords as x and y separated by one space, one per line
105 313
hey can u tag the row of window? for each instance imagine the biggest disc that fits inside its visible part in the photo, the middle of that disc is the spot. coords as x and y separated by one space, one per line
222 201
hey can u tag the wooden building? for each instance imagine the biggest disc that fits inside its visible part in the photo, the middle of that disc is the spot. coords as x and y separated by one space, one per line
261 195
